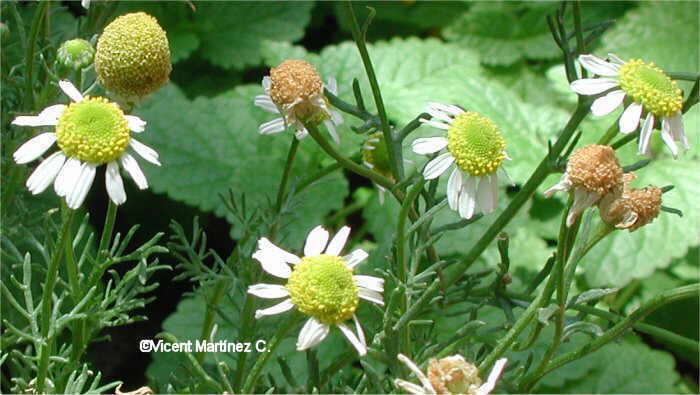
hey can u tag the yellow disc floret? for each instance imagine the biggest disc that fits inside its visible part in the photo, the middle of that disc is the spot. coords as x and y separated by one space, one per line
296 83
650 86
93 130
322 286
453 375
476 144
133 56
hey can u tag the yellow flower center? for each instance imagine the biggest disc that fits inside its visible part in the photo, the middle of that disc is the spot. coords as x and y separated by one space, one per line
133 55
650 86
476 144
322 286
94 131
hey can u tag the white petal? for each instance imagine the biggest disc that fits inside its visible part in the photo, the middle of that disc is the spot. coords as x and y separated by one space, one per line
114 183
355 258
34 148
593 86
47 117
272 264
435 124
352 338
437 113
272 127
668 138
629 121
645 135
132 167
676 125
76 196
563 185
437 166
372 296
67 177
336 117
608 103
301 133
369 282
490 383
599 66
85 4
484 200
266 83
70 90
454 185
265 102
332 85
582 201
615 59
428 145
268 291
136 124
467 198
282 255
358 329
494 190
421 376
312 333
316 241
145 151
45 173
446 108
331 130
338 242
276 309
411 388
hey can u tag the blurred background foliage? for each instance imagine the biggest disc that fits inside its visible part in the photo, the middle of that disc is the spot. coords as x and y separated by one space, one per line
493 57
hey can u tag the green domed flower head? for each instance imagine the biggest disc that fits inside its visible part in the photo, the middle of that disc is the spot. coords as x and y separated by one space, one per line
76 54
133 56
322 286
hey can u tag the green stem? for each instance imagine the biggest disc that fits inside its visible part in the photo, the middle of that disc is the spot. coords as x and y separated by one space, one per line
683 76
76 292
610 133
282 190
663 298
219 291
29 57
46 301
265 356
305 183
107 229
393 148
347 163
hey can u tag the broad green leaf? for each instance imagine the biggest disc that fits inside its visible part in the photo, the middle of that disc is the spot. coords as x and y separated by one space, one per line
208 146
231 33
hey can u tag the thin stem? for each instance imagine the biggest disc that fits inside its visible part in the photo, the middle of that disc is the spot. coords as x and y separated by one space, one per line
347 163
46 301
29 57
265 356
662 299
282 190
107 229
609 134
684 76
347 107
580 43
305 183
394 155
219 291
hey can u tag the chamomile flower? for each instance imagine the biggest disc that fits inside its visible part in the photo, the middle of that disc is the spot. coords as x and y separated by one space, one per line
450 375
294 90
592 173
633 207
89 132
475 145
321 285
648 90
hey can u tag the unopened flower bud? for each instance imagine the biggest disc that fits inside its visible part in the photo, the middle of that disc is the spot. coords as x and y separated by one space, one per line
133 56
76 54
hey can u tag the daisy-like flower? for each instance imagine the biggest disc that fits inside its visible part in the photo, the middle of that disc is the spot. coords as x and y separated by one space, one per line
592 173
294 90
89 132
450 375
475 145
648 90
320 285
375 156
